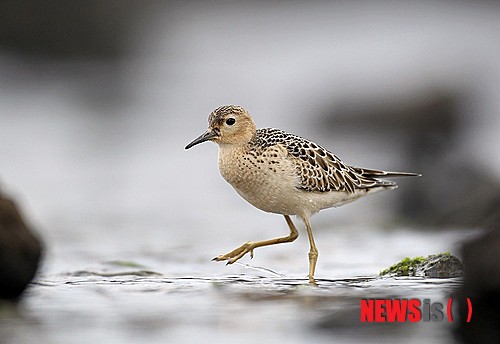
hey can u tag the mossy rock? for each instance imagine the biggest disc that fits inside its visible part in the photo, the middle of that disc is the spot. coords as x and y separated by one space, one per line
443 265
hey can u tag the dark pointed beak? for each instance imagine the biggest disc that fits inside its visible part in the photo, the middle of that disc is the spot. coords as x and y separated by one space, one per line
207 135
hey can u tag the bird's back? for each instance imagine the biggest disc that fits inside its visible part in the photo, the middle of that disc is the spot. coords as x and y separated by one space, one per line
318 169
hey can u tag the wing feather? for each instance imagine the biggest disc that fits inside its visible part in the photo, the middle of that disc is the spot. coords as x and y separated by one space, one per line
320 170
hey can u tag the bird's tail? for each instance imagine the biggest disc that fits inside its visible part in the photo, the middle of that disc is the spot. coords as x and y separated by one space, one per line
370 173
378 177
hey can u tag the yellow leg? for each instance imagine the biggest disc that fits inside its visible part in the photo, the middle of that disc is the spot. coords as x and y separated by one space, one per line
313 252
249 246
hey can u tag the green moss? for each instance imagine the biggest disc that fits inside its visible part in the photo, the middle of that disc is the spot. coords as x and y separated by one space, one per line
405 267
125 263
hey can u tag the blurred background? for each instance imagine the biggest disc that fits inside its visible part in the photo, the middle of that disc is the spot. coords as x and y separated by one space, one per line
99 98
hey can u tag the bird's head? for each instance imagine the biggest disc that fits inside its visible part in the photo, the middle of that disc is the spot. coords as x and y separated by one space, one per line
228 124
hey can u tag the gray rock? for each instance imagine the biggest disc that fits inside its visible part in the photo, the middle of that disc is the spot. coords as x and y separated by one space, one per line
20 251
442 265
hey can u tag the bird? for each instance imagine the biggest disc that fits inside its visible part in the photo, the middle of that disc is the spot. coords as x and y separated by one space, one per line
285 174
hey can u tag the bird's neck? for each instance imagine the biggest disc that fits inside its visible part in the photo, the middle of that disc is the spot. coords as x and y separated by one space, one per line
227 161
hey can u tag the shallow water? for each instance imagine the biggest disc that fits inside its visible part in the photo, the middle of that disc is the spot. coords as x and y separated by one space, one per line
127 308
177 295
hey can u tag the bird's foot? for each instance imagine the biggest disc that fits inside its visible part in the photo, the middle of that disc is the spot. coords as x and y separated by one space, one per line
237 253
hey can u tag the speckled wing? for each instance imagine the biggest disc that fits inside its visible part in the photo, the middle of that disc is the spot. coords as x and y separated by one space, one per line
319 169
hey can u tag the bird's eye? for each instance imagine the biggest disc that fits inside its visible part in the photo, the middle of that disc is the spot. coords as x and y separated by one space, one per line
230 121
